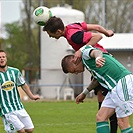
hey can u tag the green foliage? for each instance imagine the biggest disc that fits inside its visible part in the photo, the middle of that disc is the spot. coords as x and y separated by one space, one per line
21 53
15 45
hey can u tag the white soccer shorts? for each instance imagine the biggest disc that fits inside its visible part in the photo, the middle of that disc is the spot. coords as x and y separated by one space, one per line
17 120
121 97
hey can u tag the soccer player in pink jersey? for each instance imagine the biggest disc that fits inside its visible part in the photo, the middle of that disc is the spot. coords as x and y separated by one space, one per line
77 34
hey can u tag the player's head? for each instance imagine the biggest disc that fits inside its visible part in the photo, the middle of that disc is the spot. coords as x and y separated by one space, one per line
3 59
69 66
54 27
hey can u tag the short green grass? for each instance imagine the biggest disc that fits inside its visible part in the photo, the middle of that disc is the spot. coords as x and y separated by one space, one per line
61 116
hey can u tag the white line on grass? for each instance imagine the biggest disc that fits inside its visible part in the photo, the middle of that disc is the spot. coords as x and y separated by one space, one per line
60 124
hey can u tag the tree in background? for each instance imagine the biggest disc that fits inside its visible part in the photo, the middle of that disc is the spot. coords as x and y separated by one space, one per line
15 45
117 15
22 43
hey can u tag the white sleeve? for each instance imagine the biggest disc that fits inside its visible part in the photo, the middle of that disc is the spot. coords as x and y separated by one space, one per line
86 52
20 79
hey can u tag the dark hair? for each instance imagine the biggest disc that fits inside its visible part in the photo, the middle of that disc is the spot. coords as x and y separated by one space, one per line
53 24
65 63
2 51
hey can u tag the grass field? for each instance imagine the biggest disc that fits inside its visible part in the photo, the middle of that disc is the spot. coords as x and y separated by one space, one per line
61 116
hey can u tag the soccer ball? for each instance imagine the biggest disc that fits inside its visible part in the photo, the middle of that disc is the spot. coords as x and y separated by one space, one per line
41 15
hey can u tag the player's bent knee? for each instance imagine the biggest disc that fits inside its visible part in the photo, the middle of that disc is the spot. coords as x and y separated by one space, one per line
29 130
99 117
21 131
123 124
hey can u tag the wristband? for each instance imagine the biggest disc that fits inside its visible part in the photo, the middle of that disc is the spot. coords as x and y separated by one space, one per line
98 58
82 48
85 91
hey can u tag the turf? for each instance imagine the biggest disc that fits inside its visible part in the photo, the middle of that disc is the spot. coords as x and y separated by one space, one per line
61 116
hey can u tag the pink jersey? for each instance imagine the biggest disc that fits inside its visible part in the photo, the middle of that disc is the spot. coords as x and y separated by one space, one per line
77 36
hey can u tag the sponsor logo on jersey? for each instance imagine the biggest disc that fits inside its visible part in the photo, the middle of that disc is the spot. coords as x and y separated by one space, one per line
8 86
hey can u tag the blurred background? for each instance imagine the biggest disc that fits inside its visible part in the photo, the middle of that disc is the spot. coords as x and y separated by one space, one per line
38 56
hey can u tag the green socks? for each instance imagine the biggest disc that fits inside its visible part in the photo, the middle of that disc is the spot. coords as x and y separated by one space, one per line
127 130
102 127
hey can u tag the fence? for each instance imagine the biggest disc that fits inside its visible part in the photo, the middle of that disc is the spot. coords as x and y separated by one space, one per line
55 91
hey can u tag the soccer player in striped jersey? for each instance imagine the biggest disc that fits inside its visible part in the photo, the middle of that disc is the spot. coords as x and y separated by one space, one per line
14 116
112 75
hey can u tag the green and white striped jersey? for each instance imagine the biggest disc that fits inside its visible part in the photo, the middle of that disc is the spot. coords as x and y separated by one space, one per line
9 95
109 74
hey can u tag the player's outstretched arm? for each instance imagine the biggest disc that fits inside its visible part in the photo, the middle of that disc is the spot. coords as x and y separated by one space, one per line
93 84
100 29
27 90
